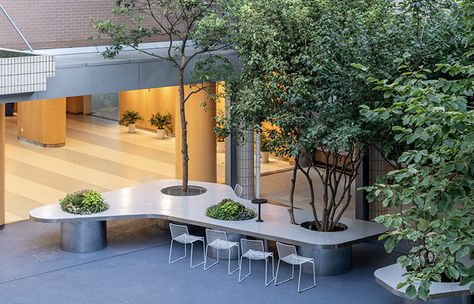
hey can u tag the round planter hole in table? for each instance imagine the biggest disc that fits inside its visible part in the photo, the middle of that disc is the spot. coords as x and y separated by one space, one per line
178 191
312 226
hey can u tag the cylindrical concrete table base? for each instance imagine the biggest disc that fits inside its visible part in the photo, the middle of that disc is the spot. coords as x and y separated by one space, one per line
449 300
328 262
85 236
224 254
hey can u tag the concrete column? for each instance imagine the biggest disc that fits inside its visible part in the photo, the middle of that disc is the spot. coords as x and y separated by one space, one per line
2 166
245 163
43 122
201 138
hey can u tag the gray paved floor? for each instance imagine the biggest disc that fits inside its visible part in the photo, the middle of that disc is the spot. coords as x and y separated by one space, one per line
134 269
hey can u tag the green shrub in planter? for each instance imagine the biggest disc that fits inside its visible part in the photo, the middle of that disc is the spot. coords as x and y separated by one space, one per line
230 210
130 117
83 202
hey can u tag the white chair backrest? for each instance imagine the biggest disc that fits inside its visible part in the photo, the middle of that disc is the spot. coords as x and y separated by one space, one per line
285 250
212 235
177 230
238 189
256 245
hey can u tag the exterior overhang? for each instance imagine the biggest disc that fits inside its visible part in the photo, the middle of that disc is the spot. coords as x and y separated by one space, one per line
84 71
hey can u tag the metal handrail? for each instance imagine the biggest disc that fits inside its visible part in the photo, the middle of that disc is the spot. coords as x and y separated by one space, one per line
16 28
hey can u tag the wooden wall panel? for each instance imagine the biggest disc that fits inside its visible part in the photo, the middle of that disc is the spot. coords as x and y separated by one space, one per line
43 122
2 166
148 102
75 105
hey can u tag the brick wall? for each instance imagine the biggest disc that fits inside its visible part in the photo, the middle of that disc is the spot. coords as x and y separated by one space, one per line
53 23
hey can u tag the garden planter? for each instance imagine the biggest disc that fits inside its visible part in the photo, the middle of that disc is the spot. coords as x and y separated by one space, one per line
221 146
328 261
84 236
440 293
160 133
131 128
224 254
265 157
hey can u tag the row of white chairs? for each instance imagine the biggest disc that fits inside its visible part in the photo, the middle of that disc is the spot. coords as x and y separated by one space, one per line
251 250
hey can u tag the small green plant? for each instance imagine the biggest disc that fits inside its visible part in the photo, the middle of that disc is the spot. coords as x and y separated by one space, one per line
83 202
265 142
230 210
130 117
160 121
220 129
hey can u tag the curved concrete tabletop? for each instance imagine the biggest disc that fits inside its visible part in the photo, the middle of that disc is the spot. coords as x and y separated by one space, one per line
390 276
147 201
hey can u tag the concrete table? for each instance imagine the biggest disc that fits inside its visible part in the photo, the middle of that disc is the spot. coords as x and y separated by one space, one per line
440 293
147 201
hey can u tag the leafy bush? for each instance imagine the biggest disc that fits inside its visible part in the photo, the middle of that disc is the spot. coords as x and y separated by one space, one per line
83 202
160 121
434 190
130 117
230 210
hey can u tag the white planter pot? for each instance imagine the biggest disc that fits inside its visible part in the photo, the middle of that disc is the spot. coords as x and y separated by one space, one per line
221 146
131 128
265 157
160 133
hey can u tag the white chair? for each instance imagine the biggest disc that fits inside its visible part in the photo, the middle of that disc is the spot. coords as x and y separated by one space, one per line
180 234
254 250
217 239
238 189
287 254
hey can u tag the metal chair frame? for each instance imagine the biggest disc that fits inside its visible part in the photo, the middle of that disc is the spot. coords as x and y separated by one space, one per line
180 234
219 235
258 245
288 254
238 189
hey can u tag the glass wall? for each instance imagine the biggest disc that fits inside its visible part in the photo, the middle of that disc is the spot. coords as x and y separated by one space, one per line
106 106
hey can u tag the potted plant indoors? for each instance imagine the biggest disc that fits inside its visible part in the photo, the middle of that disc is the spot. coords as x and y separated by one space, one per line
129 118
160 122
265 147
221 132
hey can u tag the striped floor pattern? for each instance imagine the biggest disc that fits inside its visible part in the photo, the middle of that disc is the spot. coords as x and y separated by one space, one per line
98 154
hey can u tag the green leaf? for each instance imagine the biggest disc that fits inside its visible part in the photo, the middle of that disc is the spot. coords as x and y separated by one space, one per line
411 291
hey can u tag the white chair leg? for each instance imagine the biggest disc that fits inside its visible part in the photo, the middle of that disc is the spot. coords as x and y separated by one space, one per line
228 262
191 261
299 278
171 250
240 269
266 272
205 259
276 277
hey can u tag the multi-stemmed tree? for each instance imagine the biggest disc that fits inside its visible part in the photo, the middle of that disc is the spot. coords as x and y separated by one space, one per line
195 31
297 75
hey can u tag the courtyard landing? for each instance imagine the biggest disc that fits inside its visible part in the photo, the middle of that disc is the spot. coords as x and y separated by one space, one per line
134 269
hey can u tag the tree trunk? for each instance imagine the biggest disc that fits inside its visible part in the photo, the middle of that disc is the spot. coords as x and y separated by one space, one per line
184 132
291 210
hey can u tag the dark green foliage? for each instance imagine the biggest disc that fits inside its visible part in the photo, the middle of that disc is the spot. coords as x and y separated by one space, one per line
230 210
434 186
160 121
83 202
130 117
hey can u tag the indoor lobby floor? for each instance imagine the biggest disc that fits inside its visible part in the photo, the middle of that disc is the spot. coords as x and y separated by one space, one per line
99 154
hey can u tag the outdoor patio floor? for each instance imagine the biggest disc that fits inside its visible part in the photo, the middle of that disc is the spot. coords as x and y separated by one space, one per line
134 269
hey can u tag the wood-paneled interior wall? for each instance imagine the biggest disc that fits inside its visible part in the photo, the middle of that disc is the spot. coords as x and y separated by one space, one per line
150 101
43 121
